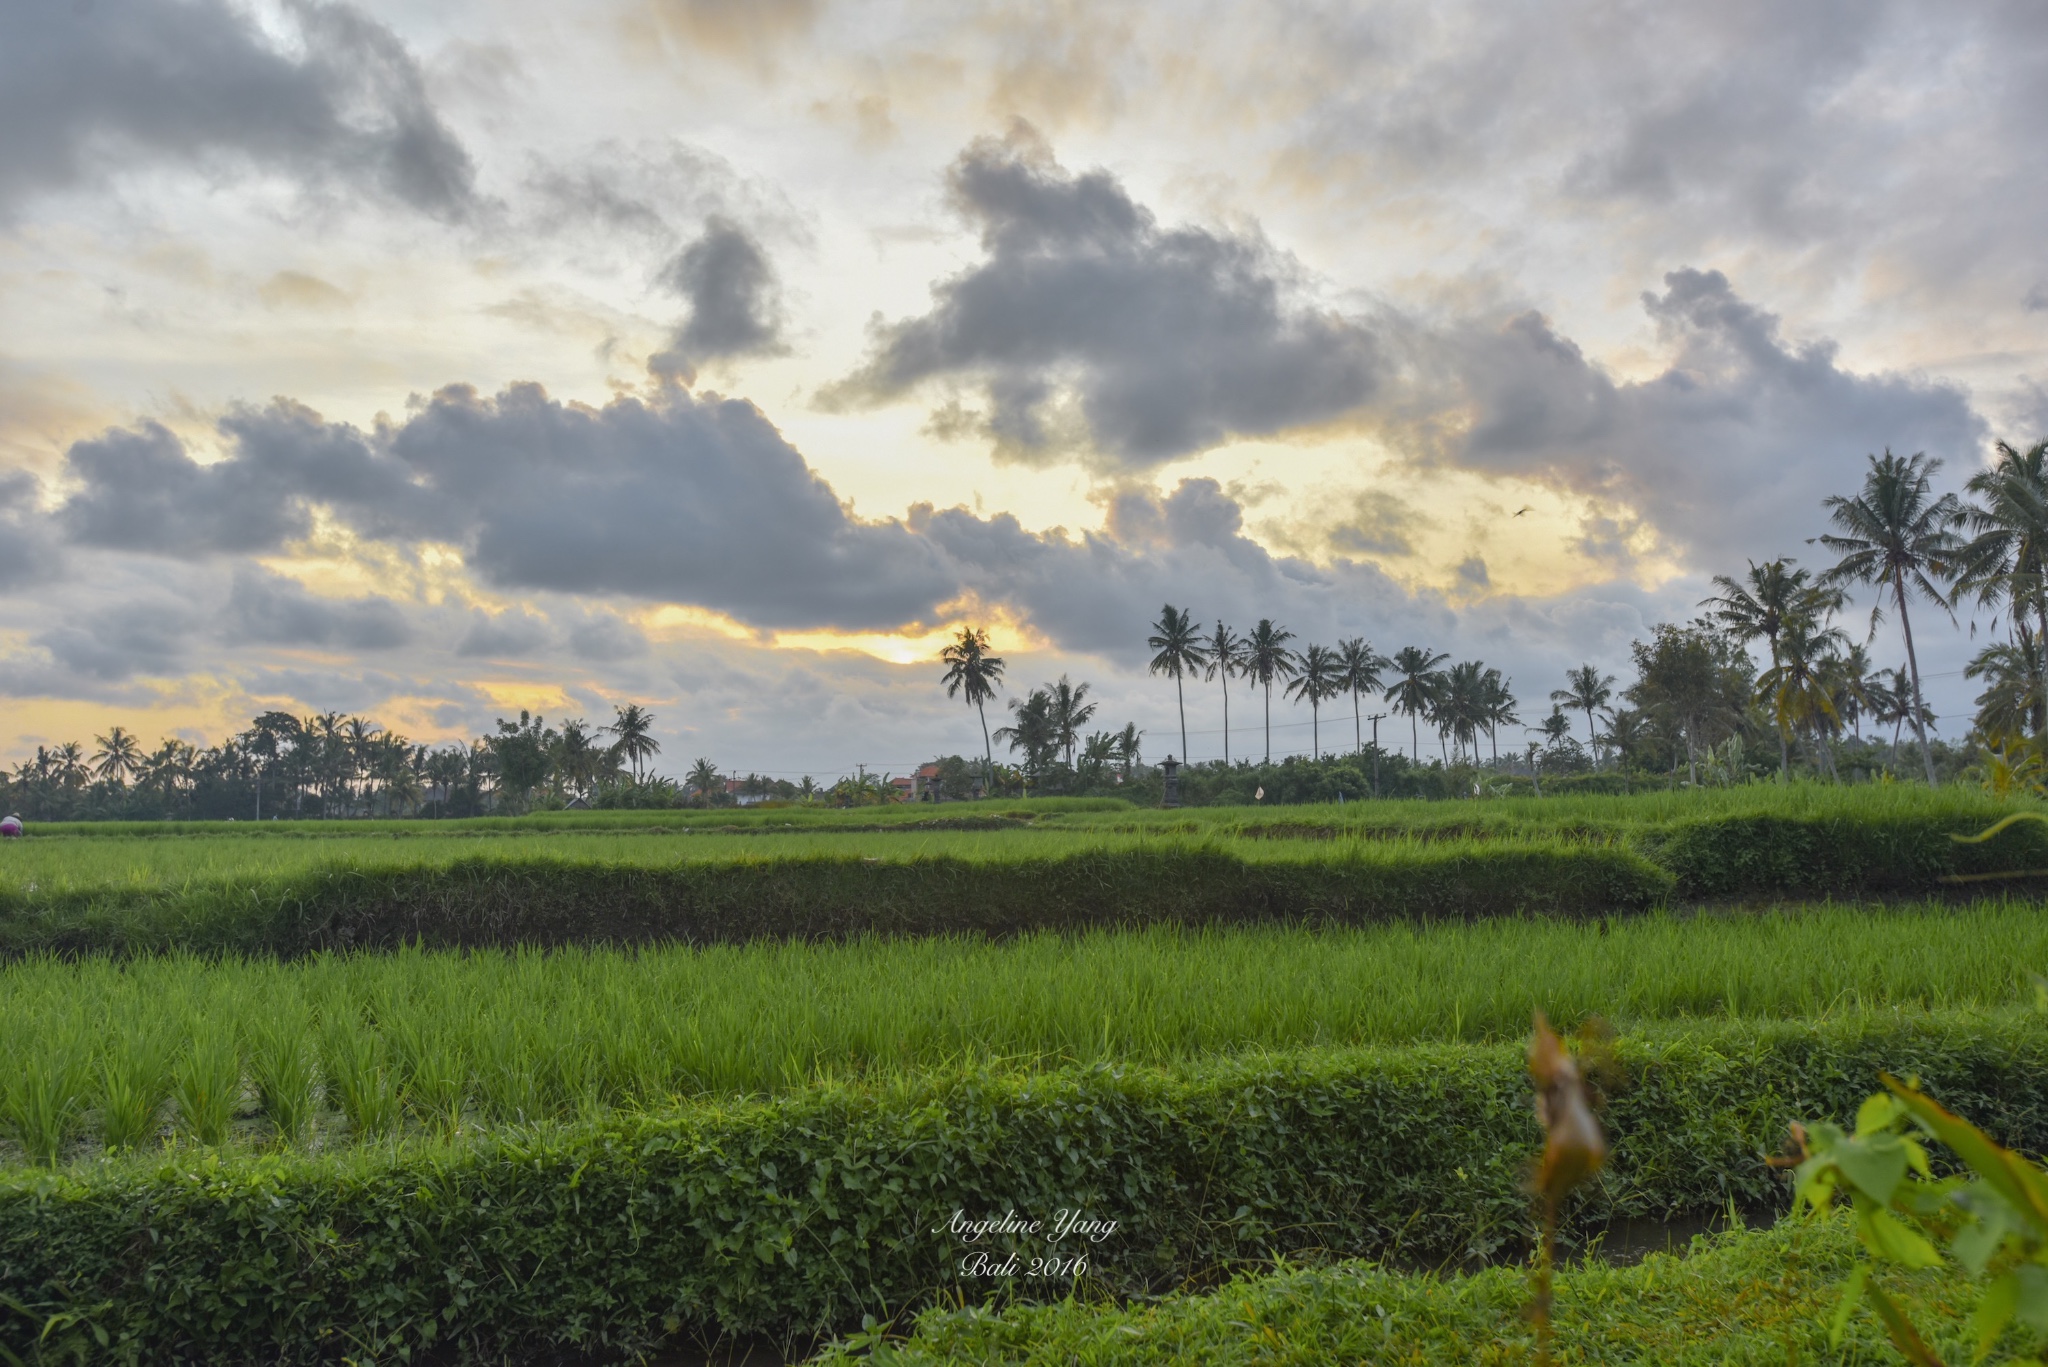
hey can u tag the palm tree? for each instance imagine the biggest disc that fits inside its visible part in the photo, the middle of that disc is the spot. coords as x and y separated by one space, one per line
1498 708
1321 678
1414 690
1896 705
1069 713
1849 681
971 670
2012 703
1795 689
706 780
1586 689
1127 747
1759 610
1897 534
1358 667
119 755
1225 650
2007 558
634 727
1180 652
1266 658
1032 731
1461 706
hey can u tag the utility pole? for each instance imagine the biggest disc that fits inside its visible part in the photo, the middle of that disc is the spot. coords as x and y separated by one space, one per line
1376 752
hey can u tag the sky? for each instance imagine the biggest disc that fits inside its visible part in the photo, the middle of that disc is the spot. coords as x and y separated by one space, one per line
433 359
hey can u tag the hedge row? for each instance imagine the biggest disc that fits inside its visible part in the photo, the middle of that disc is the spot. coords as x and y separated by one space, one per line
806 1213
539 901
1750 855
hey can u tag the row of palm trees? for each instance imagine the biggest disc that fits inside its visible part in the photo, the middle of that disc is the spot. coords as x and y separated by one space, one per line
1895 535
345 763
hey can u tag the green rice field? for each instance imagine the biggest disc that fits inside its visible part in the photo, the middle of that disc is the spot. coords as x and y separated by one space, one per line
182 1029
352 1045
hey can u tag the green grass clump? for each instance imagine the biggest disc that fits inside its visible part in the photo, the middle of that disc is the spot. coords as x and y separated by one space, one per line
439 1040
1738 1299
805 1212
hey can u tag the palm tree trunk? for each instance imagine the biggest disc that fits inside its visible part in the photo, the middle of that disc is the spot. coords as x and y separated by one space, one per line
1269 721
1415 737
1357 726
988 751
1913 663
1182 700
1315 731
1224 675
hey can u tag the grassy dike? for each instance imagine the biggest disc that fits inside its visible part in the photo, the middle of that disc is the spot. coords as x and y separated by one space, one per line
534 900
805 1212
1761 1299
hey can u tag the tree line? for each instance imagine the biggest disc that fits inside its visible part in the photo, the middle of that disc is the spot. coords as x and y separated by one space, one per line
1700 705
330 765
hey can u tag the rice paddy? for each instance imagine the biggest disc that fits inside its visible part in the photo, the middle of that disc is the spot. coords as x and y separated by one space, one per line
120 1053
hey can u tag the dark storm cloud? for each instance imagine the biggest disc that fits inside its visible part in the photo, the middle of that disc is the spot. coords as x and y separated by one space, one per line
27 551
729 285
110 644
268 609
88 89
1727 452
1093 330
687 500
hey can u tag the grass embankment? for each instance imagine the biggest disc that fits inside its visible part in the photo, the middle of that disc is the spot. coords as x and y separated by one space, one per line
708 890
282 894
805 1212
1744 1299
412 1042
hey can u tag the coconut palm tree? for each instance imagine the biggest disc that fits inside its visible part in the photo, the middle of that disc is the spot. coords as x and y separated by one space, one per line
633 728
2006 558
707 781
1461 706
972 671
1127 747
1586 689
1180 652
1321 677
1069 713
1759 608
1032 731
1225 649
1498 708
2011 705
119 755
1266 658
1795 688
1414 688
1358 668
1896 534
1848 678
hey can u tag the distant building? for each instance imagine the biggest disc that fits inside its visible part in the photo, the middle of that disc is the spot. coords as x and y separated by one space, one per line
918 787
739 798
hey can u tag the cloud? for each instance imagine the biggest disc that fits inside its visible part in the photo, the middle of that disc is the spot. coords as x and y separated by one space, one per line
269 609
504 635
1727 452
87 90
146 635
1092 331
730 287
682 500
297 290
27 551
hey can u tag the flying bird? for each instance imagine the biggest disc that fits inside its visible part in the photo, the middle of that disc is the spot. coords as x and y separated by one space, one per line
1525 508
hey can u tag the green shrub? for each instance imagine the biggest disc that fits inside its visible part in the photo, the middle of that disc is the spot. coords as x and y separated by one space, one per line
809 1211
505 901
1873 852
